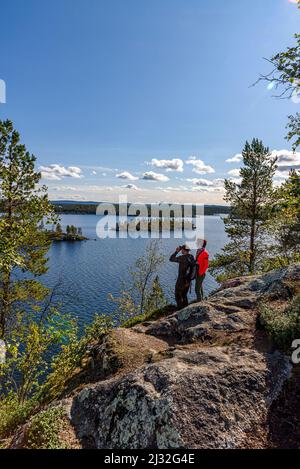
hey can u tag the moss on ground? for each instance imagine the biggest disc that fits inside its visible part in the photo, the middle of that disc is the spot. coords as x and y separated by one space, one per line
165 311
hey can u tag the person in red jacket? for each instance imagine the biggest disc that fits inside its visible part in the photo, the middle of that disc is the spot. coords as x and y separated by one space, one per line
202 259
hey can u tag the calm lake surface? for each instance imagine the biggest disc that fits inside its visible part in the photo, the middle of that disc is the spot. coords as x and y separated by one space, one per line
88 271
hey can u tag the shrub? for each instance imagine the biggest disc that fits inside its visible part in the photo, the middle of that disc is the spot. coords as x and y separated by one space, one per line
156 314
283 325
13 414
70 358
44 430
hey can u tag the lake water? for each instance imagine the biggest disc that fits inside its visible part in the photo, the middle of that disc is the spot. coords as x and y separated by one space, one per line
88 271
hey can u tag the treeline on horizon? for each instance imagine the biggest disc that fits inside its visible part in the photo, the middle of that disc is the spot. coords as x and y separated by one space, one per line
90 208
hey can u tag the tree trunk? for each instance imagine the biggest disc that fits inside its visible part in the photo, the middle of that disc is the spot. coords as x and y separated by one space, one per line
253 229
252 248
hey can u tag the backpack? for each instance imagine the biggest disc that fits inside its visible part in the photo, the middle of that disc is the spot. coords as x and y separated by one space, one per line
192 270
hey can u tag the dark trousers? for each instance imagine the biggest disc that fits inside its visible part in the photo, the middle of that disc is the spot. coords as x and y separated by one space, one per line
181 293
199 287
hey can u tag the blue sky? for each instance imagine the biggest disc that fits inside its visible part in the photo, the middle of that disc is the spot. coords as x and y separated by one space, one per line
99 89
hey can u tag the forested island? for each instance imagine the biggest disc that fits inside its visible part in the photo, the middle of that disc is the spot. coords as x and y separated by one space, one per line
72 233
158 224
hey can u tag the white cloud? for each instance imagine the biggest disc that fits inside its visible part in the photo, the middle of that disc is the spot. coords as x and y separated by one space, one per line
152 176
100 168
234 172
131 186
219 182
175 164
199 166
94 173
126 175
278 182
208 186
287 160
235 159
174 189
98 193
201 182
199 185
56 172
236 180
62 188
207 189
282 174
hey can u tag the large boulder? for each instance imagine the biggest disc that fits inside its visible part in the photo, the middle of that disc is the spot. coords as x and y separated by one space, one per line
201 321
231 309
204 398
277 283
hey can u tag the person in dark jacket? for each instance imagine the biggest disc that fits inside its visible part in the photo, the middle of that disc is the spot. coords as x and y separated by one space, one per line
202 259
186 262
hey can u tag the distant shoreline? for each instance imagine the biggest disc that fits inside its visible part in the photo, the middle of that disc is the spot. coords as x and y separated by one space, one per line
89 208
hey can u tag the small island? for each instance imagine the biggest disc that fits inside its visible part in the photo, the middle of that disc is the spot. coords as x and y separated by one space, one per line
72 233
157 224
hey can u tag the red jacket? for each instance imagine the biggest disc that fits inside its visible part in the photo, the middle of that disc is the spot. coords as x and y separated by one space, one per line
202 261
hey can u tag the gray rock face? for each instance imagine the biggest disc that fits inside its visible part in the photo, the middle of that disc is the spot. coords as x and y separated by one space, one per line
230 309
196 396
199 321
274 283
205 398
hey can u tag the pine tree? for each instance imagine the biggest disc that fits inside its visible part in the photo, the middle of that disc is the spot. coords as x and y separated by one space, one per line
251 203
156 298
286 224
58 229
23 244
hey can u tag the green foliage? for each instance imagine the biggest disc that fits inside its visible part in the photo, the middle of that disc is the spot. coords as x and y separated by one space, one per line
286 71
285 225
282 325
156 298
13 414
151 316
22 242
72 230
286 77
34 336
58 229
251 203
45 428
293 127
27 379
70 357
145 292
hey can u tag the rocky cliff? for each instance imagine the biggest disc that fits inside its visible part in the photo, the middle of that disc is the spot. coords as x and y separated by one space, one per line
203 377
